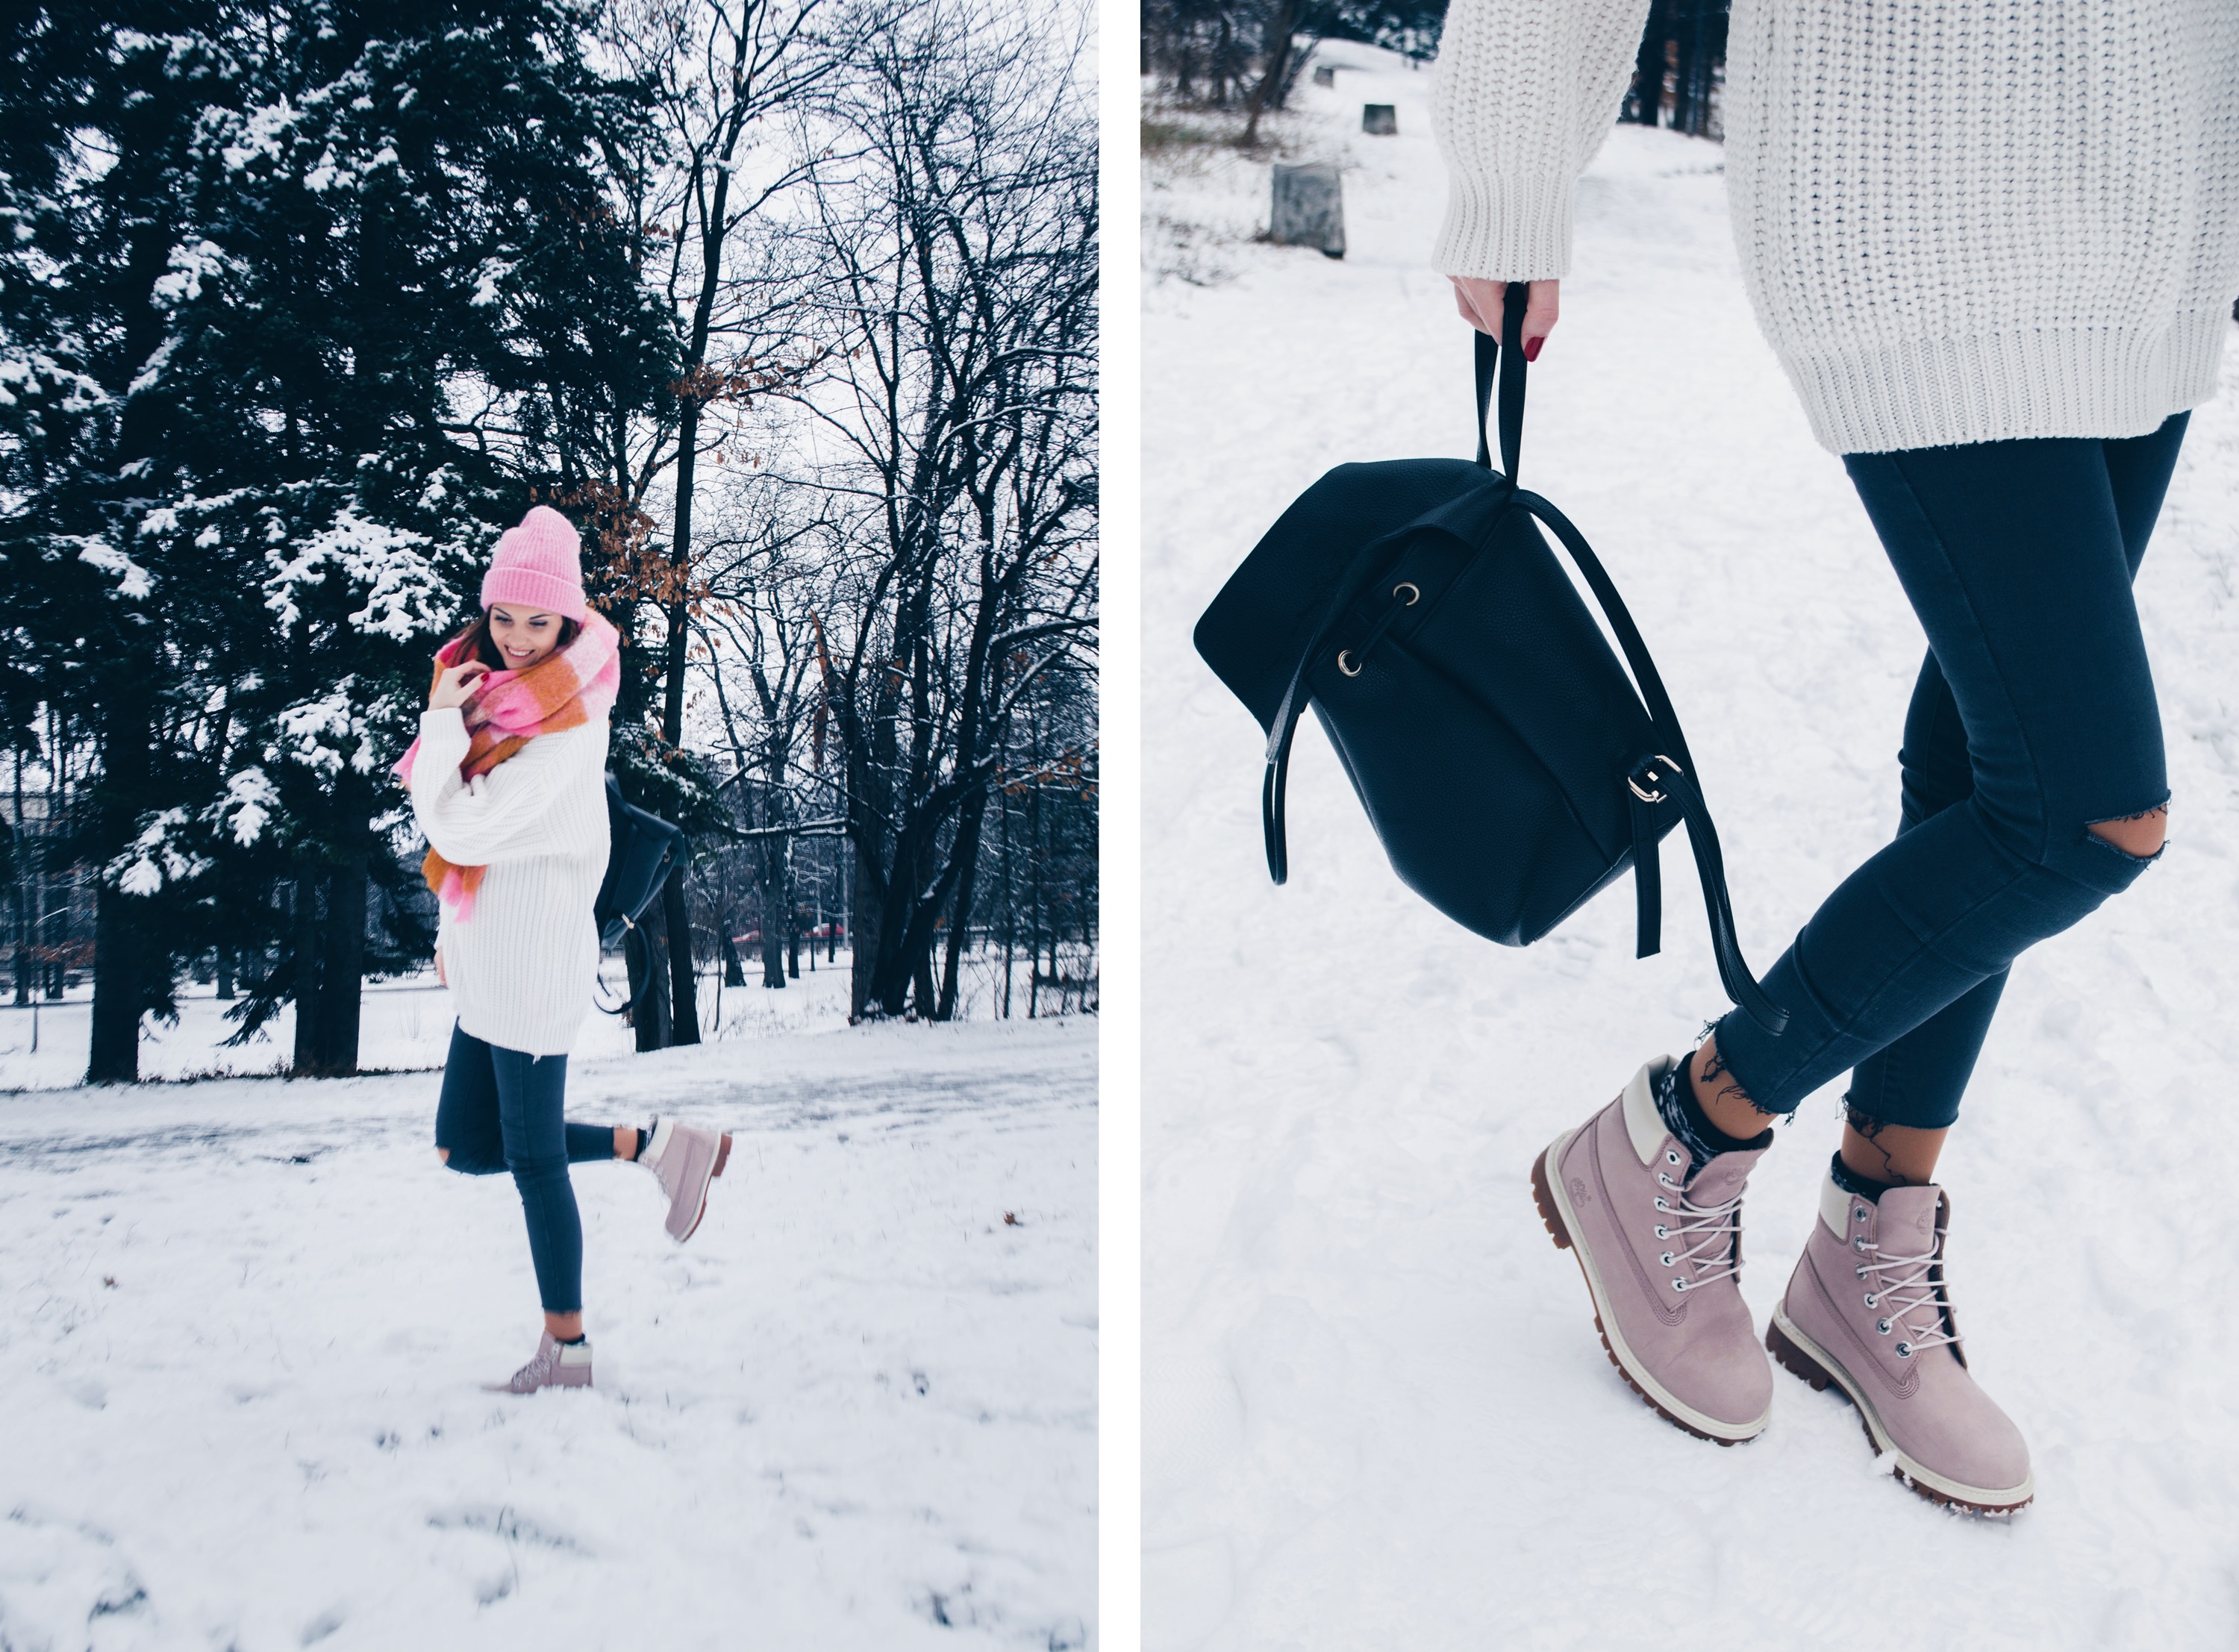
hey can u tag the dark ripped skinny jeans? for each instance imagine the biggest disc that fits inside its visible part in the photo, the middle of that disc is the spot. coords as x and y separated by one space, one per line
2033 719
500 1111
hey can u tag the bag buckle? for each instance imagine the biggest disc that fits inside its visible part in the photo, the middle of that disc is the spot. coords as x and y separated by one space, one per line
1647 772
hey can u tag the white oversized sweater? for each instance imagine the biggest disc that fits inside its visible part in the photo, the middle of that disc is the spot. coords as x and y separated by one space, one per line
520 968
1959 221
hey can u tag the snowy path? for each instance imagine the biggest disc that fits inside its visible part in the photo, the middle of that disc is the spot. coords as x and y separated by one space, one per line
1376 1415
857 1411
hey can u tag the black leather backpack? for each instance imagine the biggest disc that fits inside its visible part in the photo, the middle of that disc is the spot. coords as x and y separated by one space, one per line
642 847
1505 759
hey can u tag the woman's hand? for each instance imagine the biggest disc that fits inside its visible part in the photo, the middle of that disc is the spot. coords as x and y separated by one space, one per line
455 686
1480 302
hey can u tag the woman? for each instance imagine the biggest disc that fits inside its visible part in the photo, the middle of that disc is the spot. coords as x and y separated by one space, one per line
508 782
1996 247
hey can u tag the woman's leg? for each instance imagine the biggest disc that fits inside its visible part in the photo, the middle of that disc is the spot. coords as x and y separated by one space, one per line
531 1091
468 1135
2017 557
1923 1075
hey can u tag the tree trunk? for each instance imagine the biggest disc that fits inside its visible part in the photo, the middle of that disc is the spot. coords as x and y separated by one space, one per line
1010 902
225 973
1644 105
341 975
19 862
121 940
683 981
305 984
968 860
127 948
774 916
1276 68
921 984
53 923
1686 92
862 936
735 973
897 961
23 948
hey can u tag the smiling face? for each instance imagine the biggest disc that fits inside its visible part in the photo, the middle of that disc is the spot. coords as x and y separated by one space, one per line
523 636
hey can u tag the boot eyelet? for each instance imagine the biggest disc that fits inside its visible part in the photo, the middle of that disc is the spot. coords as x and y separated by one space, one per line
1660 1205
1872 1301
1663 1232
1662 1180
1882 1326
1860 1271
1664 1261
1679 1284
1862 1213
1671 1156
1904 1350
1859 1245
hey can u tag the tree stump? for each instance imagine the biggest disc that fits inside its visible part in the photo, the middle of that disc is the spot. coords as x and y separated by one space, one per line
1309 208
1325 74
1381 119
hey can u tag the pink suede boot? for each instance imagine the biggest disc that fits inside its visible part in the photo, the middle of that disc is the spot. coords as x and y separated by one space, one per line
556 1364
684 1160
1661 1249
1867 1310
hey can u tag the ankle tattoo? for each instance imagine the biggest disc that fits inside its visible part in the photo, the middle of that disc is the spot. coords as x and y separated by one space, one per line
1714 1070
1868 1130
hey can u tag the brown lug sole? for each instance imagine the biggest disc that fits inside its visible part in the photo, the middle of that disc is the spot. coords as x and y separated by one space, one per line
1544 1199
1799 1364
722 1158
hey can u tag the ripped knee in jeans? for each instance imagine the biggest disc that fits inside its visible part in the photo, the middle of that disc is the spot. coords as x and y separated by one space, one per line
2140 837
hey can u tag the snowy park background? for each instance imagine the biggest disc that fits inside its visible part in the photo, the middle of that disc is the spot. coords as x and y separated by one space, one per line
244 1321
1375 1411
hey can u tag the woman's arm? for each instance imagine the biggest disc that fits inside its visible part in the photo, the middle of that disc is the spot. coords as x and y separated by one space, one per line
504 815
1526 92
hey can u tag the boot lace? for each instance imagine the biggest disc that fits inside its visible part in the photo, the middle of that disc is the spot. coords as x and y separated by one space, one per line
1702 1239
1902 1292
533 1374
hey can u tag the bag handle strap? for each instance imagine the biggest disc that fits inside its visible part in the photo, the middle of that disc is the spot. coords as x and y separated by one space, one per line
1489 351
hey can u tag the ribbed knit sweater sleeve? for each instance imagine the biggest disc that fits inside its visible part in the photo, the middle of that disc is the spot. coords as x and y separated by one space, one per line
1526 90
502 815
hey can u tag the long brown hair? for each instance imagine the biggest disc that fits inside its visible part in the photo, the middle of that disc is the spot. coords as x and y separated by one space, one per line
480 645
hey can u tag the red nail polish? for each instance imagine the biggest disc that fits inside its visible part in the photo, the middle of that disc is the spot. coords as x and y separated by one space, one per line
1532 349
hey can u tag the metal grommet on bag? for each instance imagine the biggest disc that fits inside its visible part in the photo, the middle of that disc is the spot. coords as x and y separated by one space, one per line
1414 592
1344 654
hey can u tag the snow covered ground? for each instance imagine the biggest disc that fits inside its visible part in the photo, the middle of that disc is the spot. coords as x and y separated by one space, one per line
241 1325
1376 1413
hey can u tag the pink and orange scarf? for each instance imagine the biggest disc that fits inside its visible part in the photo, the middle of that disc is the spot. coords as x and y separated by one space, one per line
566 689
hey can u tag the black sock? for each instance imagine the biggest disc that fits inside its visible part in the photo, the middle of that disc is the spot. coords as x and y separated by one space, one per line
645 1139
569 1341
1684 1118
1864 1187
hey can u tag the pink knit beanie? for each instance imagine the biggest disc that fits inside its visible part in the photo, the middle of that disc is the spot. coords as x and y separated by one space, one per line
538 565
